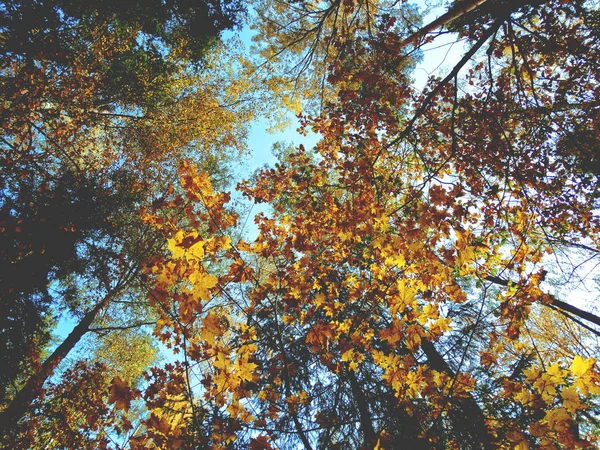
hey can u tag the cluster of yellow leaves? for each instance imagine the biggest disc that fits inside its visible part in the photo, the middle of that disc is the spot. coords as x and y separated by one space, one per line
187 291
361 266
561 393
232 371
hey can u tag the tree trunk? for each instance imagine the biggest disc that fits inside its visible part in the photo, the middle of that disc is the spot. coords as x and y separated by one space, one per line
366 423
454 13
558 304
470 424
19 406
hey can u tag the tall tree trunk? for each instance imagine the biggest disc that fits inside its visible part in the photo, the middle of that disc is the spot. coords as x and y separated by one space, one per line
462 8
453 13
558 304
19 406
366 423
470 424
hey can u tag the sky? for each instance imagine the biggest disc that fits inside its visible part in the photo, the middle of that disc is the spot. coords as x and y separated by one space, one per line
439 58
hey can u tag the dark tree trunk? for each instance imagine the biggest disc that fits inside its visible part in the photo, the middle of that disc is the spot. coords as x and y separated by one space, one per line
466 416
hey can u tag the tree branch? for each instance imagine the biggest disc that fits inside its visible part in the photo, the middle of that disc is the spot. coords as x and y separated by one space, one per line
459 10
557 304
118 328
472 422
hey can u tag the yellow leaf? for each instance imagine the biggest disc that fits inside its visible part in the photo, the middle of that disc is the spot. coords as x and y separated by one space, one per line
202 283
348 355
532 374
196 251
221 361
245 370
394 333
580 366
405 297
319 299
203 280
413 339
558 420
571 399
396 260
173 245
522 446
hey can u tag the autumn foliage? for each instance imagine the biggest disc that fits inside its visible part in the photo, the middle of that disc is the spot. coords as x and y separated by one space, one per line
413 278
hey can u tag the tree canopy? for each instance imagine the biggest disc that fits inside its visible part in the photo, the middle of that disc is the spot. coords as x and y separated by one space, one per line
414 278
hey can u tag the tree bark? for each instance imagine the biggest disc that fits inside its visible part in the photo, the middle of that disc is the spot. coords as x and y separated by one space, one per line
459 10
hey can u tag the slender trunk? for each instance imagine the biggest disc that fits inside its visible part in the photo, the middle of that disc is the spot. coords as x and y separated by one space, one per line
576 311
287 385
366 422
28 393
470 424
460 9
453 73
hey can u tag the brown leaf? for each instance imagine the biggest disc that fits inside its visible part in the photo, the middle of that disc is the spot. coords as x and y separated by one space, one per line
121 394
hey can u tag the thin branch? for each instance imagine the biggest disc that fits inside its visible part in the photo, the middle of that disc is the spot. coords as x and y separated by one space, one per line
427 101
120 328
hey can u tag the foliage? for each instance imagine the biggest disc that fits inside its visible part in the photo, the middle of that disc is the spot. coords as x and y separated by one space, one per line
139 36
44 229
396 295
88 91
301 39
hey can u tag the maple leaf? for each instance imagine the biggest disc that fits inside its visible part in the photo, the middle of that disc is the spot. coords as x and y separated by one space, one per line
221 361
394 333
404 298
211 328
348 355
245 370
579 367
196 251
558 419
260 442
202 283
174 247
121 394
159 424
571 400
